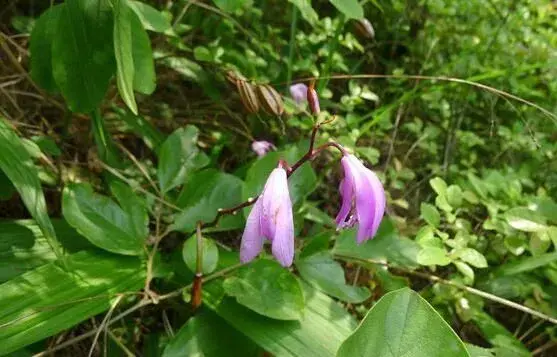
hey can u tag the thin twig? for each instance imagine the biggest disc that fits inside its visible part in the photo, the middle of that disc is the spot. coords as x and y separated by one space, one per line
104 324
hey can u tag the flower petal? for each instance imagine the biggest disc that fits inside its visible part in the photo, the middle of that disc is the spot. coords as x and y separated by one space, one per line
379 200
252 239
346 189
283 241
298 92
276 188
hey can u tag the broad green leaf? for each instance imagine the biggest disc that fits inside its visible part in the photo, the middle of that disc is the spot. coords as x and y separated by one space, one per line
466 270
439 186
42 36
473 257
203 194
546 207
300 184
17 165
23 245
144 79
133 205
477 351
99 219
151 18
268 289
503 341
178 156
454 196
209 256
402 323
317 243
308 13
350 8
48 300
323 327
433 256
526 264
104 142
123 50
523 219
430 214
83 53
322 272
386 245
197 338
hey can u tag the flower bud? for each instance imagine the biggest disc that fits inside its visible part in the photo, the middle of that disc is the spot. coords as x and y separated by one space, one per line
270 99
313 100
364 28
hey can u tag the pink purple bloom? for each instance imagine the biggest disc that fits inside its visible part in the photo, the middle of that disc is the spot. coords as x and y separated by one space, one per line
363 199
298 92
271 218
262 147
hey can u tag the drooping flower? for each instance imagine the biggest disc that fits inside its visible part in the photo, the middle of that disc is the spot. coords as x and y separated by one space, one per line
262 147
313 100
298 92
363 199
271 218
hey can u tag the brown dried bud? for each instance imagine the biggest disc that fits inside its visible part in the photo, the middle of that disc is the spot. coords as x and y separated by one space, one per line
248 96
270 99
364 28
313 100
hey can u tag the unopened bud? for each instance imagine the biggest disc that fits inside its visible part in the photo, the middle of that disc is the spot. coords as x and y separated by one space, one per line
313 100
270 99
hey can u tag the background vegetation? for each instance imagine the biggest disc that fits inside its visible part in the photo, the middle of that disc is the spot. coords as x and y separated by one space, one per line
124 123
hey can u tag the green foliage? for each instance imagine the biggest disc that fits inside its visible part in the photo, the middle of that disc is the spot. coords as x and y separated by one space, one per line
395 326
209 255
268 289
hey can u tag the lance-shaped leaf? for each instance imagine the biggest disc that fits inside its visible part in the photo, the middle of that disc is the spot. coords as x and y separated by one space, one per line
17 165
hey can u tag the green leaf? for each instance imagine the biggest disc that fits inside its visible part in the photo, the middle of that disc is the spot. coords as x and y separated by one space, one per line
150 135
17 165
323 327
203 194
144 79
210 255
322 272
7 189
47 145
466 270
430 214
23 245
179 156
268 289
439 186
48 300
83 53
151 18
123 50
386 245
42 37
133 205
300 184
473 257
477 351
197 338
526 264
396 326
308 13
433 256
232 5
523 219
101 220
350 8
504 342
454 196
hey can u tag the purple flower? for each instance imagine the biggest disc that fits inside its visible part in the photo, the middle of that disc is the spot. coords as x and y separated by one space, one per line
363 199
271 218
262 147
313 100
298 92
